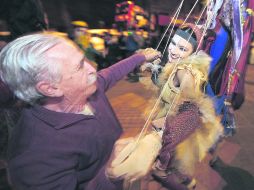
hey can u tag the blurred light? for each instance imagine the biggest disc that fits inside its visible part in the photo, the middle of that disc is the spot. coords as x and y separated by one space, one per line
139 17
5 33
80 23
98 43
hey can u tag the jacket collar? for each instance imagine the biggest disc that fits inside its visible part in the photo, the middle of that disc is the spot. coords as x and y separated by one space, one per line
58 120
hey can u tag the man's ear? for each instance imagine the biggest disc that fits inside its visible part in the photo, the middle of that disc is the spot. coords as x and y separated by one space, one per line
49 89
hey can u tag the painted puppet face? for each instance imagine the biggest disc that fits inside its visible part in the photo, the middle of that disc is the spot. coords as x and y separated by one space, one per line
179 48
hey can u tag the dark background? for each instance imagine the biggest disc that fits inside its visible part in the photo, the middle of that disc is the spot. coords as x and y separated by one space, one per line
61 12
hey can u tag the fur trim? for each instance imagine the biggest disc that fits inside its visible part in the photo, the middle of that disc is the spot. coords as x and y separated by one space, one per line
200 62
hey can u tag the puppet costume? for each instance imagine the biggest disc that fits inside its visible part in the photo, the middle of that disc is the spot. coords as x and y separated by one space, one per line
173 149
191 129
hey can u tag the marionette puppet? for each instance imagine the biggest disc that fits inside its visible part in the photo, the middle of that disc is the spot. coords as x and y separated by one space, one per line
185 128
191 125
181 84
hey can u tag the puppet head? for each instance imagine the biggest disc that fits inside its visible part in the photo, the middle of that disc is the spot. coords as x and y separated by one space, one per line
184 42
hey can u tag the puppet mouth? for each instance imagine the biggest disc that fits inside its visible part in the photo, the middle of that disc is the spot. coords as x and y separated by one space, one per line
172 57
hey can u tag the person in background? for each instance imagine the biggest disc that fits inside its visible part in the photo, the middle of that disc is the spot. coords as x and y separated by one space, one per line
132 45
21 17
121 45
82 38
64 138
112 48
81 34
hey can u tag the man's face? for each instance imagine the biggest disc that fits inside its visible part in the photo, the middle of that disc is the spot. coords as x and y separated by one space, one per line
78 76
179 48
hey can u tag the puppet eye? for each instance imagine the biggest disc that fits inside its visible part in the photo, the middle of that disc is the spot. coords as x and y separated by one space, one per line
183 49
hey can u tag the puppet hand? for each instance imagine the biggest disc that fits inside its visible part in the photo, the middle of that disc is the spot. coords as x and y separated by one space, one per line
150 54
154 66
135 160
146 66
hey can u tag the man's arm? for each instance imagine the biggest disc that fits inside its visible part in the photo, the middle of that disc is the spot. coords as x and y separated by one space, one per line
101 181
108 77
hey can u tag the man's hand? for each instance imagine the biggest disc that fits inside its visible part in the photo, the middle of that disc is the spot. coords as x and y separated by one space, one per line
150 54
135 160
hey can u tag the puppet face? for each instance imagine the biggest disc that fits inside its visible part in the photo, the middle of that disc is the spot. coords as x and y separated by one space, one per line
179 48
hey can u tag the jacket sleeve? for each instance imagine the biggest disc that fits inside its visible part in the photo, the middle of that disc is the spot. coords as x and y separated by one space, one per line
108 77
101 182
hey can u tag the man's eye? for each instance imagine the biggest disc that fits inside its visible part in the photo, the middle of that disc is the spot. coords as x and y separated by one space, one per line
81 65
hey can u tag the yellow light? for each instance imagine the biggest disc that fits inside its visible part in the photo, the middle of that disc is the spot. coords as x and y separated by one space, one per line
98 43
139 17
80 23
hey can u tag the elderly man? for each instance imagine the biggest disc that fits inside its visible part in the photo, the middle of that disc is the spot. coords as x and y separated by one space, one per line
64 139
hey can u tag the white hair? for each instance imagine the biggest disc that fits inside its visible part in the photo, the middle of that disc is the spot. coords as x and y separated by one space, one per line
23 63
